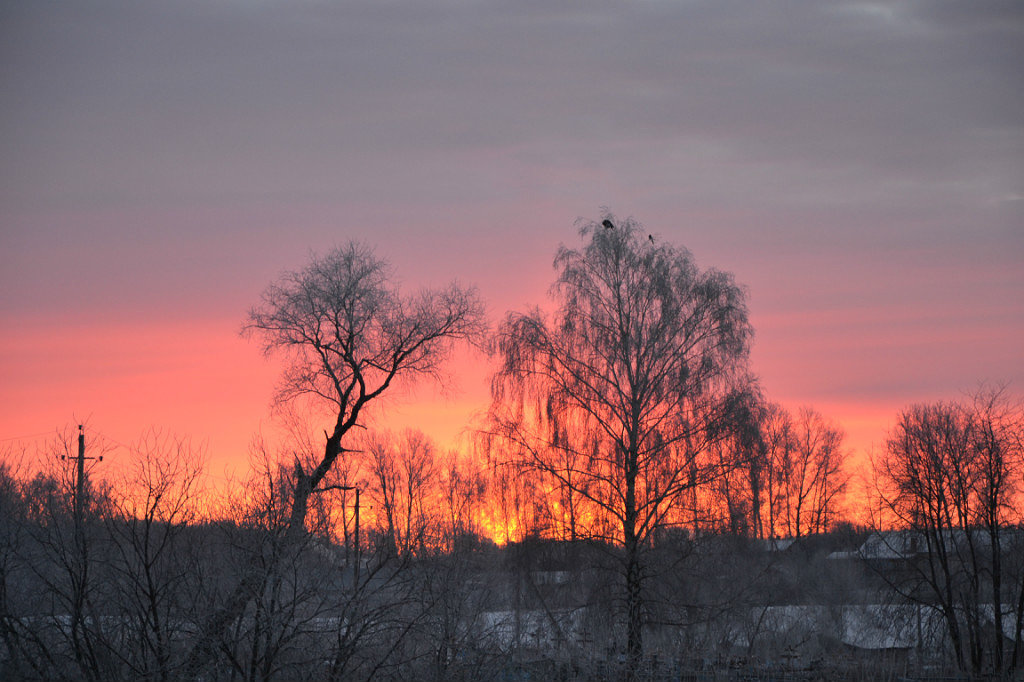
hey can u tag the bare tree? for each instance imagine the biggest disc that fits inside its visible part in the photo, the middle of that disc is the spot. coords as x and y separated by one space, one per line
465 490
998 443
278 633
404 481
752 453
632 377
154 505
927 467
22 654
776 434
950 476
514 500
348 335
743 456
384 485
793 475
813 473
67 514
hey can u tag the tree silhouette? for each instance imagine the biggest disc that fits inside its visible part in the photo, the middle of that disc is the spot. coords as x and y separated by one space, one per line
619 393
348 335
949 475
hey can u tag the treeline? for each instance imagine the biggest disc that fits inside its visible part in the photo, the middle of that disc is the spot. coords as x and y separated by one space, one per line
951 477
118 583
112 582
116 578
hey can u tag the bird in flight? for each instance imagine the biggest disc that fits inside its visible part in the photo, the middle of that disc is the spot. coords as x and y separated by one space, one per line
607 224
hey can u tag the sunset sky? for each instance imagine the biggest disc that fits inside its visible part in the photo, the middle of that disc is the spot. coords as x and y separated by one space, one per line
858 165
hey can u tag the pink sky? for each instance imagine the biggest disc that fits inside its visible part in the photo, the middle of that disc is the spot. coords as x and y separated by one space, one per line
860 168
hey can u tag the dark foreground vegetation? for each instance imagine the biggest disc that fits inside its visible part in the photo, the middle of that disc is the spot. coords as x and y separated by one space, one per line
658 518
117 597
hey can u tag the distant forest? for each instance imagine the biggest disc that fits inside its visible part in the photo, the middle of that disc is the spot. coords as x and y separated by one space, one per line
632 507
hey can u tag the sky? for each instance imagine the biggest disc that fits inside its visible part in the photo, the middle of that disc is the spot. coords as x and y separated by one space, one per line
858 166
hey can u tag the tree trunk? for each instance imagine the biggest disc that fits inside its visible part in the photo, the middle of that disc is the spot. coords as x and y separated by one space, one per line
997 599
205 647
634 620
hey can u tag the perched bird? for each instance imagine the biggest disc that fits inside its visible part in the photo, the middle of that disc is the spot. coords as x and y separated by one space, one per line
607 224
651 237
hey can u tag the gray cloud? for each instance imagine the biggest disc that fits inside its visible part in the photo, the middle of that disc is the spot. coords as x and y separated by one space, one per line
112 101
187 146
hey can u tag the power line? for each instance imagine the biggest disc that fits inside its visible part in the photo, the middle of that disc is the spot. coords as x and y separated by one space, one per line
27 436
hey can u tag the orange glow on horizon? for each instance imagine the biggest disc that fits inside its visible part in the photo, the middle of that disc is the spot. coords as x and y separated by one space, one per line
201 380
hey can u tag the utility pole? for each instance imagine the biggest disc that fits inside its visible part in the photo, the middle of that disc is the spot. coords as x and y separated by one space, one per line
80 478
80 560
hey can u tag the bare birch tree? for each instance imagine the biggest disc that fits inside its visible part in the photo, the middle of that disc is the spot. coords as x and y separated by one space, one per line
632 376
